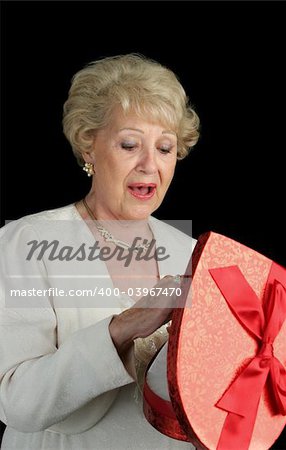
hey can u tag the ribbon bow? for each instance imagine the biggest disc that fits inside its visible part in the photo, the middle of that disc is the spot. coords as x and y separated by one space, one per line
241 399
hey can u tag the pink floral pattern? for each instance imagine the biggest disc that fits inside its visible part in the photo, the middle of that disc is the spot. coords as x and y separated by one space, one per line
208 347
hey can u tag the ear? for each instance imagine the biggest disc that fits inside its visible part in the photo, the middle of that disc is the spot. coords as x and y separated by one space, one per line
89 157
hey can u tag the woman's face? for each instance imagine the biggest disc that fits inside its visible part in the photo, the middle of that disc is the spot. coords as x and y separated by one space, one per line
134 162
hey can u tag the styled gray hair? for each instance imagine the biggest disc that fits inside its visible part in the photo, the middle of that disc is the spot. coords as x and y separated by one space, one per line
135 83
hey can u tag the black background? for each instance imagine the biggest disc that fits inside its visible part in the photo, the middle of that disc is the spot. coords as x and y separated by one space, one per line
230 58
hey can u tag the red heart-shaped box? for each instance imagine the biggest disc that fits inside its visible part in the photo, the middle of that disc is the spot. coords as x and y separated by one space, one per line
220 382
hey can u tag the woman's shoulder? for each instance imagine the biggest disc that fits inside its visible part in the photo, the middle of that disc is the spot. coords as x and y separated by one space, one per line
32 221
62 213
172 231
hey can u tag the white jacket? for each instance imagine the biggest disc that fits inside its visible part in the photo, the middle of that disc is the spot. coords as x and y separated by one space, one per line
59 369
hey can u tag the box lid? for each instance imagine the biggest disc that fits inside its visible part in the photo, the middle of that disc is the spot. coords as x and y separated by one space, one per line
226 355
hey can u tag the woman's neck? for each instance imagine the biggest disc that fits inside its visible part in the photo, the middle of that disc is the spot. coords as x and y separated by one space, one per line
126 230
120 227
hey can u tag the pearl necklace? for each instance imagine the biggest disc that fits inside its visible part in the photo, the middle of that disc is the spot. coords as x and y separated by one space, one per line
108 237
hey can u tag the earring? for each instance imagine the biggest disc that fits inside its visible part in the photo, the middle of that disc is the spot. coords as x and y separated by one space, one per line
89 169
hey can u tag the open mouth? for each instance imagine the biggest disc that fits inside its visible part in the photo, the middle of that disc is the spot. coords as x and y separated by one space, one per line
142 190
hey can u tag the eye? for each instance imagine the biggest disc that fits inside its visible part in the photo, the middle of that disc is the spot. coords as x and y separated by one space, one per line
165 149
128 145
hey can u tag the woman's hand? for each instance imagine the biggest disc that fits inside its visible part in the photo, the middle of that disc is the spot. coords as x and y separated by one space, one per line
144 317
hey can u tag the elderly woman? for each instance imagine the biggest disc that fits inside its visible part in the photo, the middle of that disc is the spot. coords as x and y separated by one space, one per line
71 366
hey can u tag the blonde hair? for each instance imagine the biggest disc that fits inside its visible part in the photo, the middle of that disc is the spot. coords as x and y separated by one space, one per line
135 83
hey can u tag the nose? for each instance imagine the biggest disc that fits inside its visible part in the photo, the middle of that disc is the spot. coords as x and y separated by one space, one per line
147 162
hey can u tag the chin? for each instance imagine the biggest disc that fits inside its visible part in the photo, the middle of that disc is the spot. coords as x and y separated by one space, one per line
138 217
139 214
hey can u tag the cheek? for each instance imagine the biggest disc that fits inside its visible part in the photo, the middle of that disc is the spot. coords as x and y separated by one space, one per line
169 173
110 172
114 177
117 166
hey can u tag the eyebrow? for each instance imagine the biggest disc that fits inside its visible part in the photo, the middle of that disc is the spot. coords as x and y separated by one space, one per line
141 131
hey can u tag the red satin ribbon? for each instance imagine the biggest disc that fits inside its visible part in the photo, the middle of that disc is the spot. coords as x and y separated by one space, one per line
241 399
